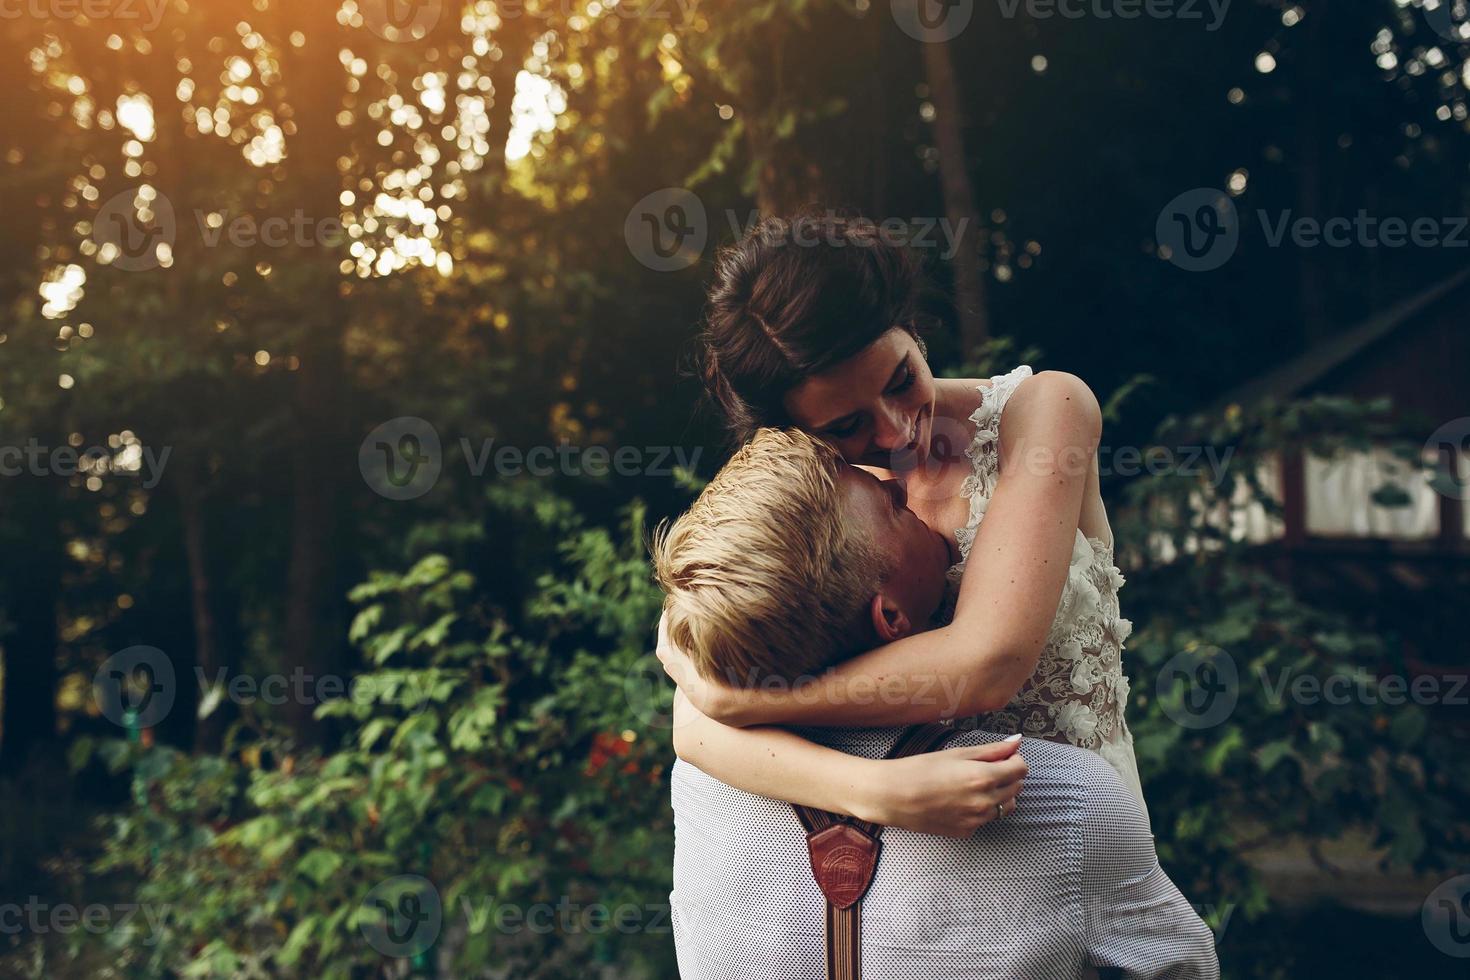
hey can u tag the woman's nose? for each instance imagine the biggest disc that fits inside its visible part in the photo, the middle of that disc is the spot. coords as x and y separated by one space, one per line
891 431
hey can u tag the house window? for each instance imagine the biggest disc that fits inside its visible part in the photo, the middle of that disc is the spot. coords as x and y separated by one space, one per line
1243 518
1249 519
1372 494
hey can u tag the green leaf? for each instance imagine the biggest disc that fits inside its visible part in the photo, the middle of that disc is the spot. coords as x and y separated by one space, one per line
1270 754
297 942
1408 727
319 864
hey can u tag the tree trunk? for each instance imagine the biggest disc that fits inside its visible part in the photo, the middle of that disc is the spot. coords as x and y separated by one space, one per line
311 642
959 197
32 581
210 656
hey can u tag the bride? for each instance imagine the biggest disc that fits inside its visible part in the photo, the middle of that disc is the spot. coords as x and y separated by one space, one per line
811 323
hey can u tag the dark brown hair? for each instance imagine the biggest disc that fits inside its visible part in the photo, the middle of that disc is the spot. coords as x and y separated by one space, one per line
793 298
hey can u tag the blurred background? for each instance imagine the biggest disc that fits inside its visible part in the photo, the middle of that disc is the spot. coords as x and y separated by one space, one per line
342 375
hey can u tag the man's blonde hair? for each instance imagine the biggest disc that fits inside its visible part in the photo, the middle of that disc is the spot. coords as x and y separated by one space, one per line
764 576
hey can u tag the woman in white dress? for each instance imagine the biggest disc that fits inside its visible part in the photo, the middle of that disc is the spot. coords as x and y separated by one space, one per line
812 324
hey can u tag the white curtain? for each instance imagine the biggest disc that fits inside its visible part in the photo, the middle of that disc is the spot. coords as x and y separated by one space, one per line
1340 497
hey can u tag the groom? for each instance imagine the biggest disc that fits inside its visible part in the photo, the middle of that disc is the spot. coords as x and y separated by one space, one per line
1065 884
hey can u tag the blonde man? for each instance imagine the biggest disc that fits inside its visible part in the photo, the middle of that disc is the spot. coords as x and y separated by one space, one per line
791 560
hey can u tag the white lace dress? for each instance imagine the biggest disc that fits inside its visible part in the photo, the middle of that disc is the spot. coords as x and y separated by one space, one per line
1078 692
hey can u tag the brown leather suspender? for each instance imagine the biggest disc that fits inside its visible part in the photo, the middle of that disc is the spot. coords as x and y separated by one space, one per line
844 853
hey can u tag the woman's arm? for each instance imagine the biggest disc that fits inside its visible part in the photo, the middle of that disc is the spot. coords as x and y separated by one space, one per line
952 792
1008 599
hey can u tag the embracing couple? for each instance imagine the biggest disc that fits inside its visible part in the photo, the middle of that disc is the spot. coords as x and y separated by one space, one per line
890 553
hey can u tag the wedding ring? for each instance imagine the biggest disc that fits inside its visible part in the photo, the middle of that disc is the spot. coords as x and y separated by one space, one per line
1000 810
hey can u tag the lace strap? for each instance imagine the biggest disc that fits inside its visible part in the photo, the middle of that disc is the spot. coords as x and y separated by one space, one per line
1002 386
986 418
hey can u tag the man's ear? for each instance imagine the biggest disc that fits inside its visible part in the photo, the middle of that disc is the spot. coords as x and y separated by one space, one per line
889 621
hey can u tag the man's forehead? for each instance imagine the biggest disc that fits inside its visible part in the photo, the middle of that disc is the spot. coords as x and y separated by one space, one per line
857 483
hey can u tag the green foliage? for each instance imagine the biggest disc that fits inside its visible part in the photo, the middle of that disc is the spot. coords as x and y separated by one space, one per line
516 756
509 765
1322 738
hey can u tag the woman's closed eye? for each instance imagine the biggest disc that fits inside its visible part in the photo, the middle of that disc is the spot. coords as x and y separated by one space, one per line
845 428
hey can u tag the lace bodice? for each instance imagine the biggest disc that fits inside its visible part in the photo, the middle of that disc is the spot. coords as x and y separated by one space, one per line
1078 692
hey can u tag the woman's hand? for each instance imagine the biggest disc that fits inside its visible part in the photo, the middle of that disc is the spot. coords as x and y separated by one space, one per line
720 702
953 792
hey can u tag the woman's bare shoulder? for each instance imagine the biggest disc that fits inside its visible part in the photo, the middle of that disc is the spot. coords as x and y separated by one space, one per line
1053 397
